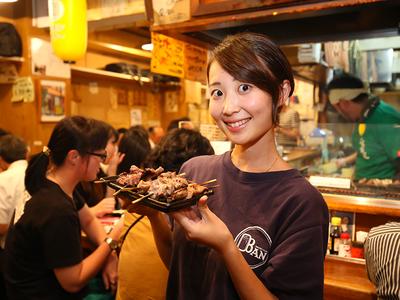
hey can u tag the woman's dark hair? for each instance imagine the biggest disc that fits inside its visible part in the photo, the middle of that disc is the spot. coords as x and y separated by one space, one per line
254 58
136 146
12 148
72 133
178 146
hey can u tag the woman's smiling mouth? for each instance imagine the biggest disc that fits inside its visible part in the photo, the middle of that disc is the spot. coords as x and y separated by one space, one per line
237 124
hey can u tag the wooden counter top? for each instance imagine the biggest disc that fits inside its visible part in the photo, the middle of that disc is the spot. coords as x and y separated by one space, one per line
374 206
347 280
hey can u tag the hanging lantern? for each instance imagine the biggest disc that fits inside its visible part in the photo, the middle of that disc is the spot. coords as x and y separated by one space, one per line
68 28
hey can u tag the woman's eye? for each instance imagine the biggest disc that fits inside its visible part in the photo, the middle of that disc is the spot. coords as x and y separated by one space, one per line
216 93
244 88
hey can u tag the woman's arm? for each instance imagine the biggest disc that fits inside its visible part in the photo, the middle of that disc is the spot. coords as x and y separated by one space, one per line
74 278
91 225
211 231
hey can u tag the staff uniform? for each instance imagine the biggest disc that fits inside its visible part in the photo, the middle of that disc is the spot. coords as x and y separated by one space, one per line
280 225
47 236
377 142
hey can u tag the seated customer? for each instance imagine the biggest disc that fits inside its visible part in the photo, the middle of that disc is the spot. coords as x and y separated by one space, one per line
13 152
382 256
142 274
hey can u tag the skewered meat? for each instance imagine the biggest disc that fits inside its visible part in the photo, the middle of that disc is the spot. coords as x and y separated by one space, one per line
165 186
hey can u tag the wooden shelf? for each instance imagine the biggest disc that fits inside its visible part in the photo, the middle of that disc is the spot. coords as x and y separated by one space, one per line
16 59
124 78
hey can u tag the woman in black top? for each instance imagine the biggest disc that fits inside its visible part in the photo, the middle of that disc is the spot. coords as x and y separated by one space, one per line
43 250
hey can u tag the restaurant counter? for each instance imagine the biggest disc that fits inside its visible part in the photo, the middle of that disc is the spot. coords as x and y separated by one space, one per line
346 278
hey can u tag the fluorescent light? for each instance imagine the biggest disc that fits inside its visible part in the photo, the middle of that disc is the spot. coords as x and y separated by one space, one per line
147 47
7 1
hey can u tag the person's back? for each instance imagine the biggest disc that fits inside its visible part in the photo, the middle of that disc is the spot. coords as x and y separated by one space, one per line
382 255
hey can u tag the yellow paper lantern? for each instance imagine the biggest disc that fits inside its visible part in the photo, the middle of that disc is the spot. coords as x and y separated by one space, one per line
68 28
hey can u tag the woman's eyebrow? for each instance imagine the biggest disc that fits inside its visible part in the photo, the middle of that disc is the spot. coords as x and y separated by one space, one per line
214 84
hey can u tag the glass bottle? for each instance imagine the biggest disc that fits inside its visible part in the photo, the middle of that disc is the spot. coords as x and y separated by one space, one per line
345 245
335 235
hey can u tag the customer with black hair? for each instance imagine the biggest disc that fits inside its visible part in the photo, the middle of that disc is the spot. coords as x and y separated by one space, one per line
97 196
43 249
135 147
2 132
13 152
376 136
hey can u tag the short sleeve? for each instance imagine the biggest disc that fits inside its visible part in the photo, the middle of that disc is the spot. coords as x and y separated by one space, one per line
61 241
299 256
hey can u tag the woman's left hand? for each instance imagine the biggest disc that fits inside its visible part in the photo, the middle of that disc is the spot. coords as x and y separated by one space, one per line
114 161
207 229
110 273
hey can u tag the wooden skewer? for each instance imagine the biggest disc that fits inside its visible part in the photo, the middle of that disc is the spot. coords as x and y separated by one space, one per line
209 181
106 179
141 198
123 189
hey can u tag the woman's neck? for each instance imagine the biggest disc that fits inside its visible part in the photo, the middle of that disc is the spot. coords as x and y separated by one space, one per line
64 178
258 158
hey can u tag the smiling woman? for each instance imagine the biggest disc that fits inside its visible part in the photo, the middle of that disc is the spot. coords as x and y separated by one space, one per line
263 234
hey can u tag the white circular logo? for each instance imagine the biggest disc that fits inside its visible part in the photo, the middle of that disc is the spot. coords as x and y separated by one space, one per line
254 242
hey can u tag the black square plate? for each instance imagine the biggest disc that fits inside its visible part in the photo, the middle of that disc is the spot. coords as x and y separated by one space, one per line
157 204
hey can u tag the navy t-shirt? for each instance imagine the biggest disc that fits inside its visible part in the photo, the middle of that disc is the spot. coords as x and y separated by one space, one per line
280 225
47 236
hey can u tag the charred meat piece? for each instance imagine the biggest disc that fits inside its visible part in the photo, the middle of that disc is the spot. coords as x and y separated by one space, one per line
132 178
150 173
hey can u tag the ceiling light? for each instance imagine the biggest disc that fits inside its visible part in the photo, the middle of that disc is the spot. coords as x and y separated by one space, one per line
7 1
147 47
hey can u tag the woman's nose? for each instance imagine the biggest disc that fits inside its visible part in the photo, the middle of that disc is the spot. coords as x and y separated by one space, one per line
230 105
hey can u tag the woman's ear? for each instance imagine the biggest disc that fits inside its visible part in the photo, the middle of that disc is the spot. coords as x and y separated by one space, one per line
285 92
73 156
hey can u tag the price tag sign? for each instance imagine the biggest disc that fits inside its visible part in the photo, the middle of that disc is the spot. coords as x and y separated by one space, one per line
334 182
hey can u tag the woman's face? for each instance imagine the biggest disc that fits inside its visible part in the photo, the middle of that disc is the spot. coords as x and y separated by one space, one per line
241 110
91 165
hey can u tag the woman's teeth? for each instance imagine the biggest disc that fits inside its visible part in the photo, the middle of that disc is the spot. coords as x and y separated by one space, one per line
237 124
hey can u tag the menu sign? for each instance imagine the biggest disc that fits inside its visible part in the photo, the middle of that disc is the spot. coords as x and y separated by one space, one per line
167 56
195 63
